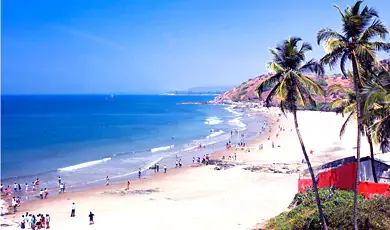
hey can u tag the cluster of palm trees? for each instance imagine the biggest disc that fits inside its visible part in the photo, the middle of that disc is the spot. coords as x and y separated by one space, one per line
369 99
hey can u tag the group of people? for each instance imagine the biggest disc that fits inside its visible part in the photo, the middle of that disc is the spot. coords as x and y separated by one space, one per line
33 222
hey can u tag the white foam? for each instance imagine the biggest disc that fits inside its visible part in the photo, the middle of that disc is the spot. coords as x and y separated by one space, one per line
237 122
214 134
84 165
190 148
162 148
230 109
213 121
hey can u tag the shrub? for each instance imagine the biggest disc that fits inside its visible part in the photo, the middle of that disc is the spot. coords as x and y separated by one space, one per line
337 206
322 82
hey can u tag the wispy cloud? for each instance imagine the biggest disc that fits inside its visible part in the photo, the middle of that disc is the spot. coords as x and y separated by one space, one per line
91 37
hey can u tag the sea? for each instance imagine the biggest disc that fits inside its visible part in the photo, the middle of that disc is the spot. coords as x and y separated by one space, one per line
84 138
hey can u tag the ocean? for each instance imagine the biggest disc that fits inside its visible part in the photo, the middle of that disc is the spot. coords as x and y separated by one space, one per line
84 138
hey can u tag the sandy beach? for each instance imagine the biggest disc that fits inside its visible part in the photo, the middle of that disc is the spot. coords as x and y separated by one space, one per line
200 197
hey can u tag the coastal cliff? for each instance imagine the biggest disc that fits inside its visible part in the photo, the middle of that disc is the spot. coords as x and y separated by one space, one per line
247 90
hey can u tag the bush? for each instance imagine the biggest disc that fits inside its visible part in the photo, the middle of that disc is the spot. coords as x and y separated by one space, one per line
322 82
337 206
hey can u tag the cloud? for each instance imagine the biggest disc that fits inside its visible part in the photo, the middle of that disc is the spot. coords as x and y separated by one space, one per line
91 37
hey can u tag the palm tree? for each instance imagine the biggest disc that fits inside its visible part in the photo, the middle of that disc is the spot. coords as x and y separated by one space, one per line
348 105
377 106
354 44
294 89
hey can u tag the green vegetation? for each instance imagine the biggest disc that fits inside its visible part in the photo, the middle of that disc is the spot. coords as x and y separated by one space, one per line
322 82
337 206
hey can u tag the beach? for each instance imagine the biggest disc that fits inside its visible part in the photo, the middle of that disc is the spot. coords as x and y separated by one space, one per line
200 197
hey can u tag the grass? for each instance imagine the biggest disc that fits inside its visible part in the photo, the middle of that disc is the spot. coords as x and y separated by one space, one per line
337 205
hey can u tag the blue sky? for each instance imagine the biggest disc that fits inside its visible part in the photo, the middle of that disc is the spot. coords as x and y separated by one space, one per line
100 46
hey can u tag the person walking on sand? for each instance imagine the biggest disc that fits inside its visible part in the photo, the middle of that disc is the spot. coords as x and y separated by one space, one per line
193 159
91 218
139 173
73 212
128 185
180 163
165 168
107 181
177 163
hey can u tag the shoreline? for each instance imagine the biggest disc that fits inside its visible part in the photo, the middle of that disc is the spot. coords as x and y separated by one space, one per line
216 155
260 185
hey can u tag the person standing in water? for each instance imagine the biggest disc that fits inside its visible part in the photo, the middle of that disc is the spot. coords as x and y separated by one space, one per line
139 173
59 180
165 168
158 167
107 181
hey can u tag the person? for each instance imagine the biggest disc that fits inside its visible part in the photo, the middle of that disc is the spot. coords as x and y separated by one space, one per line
73 212
41 193
107 181
22 223
46 192
91 218
19 187
64 187
59 180
158 167
177 163
139 173
26 187
165 168
14 204
33 186
180 163
1 188
15 187
128 185
26 220
193 159
235 156
47 219
43 221
61 188
272 144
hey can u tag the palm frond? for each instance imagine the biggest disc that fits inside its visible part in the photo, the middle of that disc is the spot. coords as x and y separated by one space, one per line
375 29
312 66
327 34
311 85
267 83
344 126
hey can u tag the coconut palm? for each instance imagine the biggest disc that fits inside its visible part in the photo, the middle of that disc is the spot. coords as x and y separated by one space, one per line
293 89
354 44
377 106
347 105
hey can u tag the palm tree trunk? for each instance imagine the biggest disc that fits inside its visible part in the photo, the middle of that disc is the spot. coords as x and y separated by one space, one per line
372 157
356 86
322 217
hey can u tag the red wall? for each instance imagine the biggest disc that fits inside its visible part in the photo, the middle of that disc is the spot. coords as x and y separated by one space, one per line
368 189
344 177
